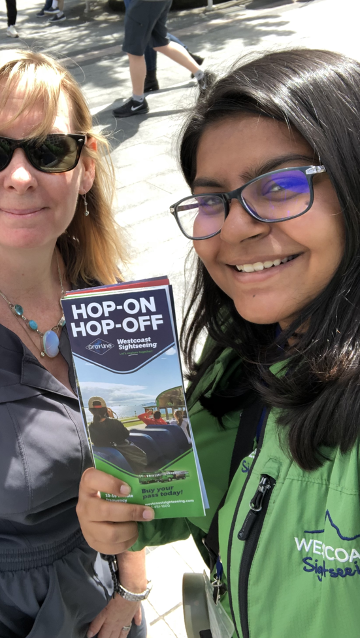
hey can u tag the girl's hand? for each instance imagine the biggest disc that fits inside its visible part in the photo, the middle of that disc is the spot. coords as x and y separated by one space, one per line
109 527
117 614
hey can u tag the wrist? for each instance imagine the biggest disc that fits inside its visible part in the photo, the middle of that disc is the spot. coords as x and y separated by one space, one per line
131 589
132 596
132 584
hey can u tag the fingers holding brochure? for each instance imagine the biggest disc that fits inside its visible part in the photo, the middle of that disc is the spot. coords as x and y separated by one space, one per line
110 527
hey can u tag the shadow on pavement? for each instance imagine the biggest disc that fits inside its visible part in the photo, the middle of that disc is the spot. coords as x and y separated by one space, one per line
269 4
100 30
120 130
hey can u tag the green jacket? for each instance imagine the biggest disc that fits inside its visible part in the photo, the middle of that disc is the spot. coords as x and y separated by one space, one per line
298 572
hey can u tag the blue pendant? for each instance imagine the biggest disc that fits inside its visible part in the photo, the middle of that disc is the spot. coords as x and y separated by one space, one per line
51 343
33 325
18 310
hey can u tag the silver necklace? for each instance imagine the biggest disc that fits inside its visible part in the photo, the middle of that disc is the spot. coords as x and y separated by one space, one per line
49 340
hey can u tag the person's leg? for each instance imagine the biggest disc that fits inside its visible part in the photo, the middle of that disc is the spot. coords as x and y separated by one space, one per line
141 23
11 12
11 18
177 53
150 59
173 38
151 82
198 59
173 50
59 14
137 73
46 7
140 18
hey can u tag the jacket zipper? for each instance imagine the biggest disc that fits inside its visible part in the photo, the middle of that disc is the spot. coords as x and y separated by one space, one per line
250 533
233 523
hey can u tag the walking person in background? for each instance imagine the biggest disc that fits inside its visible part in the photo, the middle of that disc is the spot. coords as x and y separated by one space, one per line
11 11
151 82
145 23
47 5
56 11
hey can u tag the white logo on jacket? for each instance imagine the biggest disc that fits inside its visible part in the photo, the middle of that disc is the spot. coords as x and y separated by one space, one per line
316 547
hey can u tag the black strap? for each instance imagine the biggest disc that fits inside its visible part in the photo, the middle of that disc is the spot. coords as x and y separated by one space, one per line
243 446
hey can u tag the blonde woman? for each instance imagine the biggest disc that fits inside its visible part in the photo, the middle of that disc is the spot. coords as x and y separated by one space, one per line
56 233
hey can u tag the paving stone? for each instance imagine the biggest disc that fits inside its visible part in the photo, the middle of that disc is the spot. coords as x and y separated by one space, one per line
172 182
160 630
150 613
155 173
137 153
175 620
189 552
165 569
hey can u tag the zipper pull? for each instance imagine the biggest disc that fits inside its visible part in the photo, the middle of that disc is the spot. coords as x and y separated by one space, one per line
256 505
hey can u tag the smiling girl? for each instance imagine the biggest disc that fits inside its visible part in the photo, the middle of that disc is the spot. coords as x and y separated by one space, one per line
271 155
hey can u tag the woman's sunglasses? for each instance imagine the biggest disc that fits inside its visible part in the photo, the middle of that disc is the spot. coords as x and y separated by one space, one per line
56 153
273 197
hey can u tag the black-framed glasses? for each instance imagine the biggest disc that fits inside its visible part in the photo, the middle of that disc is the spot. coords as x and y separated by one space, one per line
273 197
56 153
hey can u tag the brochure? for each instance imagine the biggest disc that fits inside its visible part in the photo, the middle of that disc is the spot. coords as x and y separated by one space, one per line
130 387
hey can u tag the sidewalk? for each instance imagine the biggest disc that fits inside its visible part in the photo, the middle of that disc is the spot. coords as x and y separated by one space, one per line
166 566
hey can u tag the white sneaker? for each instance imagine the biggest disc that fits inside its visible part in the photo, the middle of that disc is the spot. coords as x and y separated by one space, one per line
11 32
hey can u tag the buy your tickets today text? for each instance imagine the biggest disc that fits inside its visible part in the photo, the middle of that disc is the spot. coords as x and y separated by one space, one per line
95 310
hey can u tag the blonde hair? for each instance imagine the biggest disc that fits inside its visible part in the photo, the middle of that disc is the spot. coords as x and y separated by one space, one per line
91 247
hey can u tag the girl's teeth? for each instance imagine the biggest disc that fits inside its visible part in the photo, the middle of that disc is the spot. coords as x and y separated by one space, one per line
259 265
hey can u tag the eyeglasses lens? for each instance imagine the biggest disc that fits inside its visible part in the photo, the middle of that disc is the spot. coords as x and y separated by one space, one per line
56 154
201 216
5 152
278 196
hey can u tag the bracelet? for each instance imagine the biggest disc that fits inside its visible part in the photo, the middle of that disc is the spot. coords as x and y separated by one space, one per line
118 588
129 595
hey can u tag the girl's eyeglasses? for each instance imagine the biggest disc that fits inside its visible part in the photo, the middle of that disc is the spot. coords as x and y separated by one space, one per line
273 197
57 153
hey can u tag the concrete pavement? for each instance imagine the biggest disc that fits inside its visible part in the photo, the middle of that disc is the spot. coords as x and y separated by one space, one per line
144 150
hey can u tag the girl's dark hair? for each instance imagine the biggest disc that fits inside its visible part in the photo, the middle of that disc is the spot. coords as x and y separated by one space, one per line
317 93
